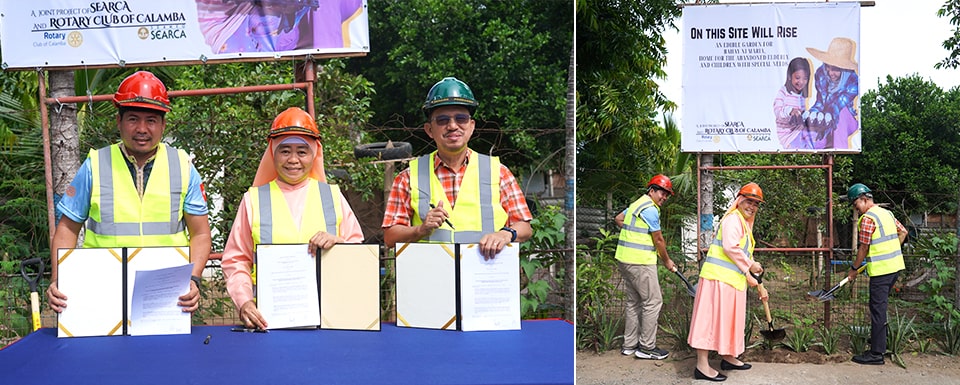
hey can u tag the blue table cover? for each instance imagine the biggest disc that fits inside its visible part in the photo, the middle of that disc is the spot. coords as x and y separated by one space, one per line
542 352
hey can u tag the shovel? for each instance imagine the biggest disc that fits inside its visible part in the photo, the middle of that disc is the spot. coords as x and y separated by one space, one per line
770 334
825 296
33 277
691 290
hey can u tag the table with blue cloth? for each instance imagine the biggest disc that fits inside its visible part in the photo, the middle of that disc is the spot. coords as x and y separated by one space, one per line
540 353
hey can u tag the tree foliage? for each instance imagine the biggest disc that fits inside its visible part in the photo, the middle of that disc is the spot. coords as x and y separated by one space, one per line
620 53
910 124
513 54
951 9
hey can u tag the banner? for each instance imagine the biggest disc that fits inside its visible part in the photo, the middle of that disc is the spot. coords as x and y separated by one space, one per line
771 78
75 33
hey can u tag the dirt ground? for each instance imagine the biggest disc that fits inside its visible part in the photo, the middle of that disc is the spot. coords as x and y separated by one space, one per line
776 366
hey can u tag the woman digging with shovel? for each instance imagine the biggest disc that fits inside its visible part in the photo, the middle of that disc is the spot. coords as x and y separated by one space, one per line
720 307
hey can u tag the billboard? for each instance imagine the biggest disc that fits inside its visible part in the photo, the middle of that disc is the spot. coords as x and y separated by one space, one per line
77 33
771 78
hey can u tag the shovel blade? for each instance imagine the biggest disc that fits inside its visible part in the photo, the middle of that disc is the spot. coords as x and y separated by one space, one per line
773 334
816 294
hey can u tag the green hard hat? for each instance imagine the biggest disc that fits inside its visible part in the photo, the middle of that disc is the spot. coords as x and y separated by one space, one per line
856 191
447 92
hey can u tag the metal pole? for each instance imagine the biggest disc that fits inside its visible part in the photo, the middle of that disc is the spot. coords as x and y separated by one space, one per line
828 160
47 162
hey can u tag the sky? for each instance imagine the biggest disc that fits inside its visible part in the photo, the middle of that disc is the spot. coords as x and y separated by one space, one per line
897 38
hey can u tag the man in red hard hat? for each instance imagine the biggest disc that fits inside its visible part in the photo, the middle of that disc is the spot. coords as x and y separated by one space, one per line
136 193
641 242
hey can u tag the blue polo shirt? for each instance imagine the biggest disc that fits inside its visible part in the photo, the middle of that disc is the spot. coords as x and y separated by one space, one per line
650 215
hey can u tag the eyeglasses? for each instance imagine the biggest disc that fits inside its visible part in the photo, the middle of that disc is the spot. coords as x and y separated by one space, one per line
443 120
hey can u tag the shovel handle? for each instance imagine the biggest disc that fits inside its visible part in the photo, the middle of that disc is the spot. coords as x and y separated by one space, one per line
766 307
35 310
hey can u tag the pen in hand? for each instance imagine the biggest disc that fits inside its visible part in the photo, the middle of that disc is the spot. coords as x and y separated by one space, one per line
447 221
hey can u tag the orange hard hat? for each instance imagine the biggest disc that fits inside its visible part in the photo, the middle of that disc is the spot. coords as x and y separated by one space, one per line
142 90
294 121
661 181
752 190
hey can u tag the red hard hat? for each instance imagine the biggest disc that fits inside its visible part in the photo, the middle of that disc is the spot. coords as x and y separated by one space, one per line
294 121
142 90
752 190
661 181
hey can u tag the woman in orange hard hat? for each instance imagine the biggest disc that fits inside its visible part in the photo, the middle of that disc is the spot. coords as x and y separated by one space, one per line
719 309
289 182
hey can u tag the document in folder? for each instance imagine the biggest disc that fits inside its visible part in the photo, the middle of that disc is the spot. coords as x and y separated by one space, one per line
156 278
489 289
92 279
426 285
350 287
287 294
101 283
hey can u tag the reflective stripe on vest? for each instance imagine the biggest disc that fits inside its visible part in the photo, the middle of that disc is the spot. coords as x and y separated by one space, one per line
271 221
636 244
477 211
120 217
884 255
719 266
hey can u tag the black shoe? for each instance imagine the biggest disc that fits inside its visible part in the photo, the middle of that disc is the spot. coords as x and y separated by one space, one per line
868 358
697 374
724 365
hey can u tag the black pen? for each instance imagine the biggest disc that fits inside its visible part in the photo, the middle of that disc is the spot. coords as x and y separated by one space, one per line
447 221
248 330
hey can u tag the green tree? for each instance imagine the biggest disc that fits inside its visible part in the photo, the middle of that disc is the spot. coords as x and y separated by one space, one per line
620 53
910 124
513 54
951 8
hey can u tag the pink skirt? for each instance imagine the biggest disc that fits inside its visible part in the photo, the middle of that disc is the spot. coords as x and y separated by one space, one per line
719 315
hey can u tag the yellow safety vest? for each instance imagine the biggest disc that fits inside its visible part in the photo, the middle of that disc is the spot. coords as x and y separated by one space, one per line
271 221
636 244
119 218
718 266
478 210
884 255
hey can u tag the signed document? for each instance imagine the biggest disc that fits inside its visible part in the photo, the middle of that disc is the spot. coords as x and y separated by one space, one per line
287 295
490 289
157 320
153 307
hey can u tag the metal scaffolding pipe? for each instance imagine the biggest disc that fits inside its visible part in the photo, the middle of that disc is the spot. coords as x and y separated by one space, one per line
173 94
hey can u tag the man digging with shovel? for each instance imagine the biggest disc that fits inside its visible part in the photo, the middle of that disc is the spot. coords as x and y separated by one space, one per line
641 241
880 235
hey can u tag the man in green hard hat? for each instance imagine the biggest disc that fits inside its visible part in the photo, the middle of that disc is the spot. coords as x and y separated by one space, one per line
879 237
454 185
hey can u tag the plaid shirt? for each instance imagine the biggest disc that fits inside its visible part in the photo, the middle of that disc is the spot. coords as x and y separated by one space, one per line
867 227
399 211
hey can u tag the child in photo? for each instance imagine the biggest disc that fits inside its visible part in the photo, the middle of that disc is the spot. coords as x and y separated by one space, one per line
790 103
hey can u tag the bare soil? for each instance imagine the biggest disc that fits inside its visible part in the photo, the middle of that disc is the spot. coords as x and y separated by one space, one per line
776 366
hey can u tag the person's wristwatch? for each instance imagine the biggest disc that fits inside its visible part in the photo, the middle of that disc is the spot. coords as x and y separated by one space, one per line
513 233
196 280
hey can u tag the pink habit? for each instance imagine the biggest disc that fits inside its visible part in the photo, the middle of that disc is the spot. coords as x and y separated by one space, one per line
719 310
239 250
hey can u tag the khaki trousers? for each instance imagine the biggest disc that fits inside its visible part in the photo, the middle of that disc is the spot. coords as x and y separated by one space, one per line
642 309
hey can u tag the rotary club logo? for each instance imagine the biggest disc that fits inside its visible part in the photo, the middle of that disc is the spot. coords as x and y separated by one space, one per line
75 39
